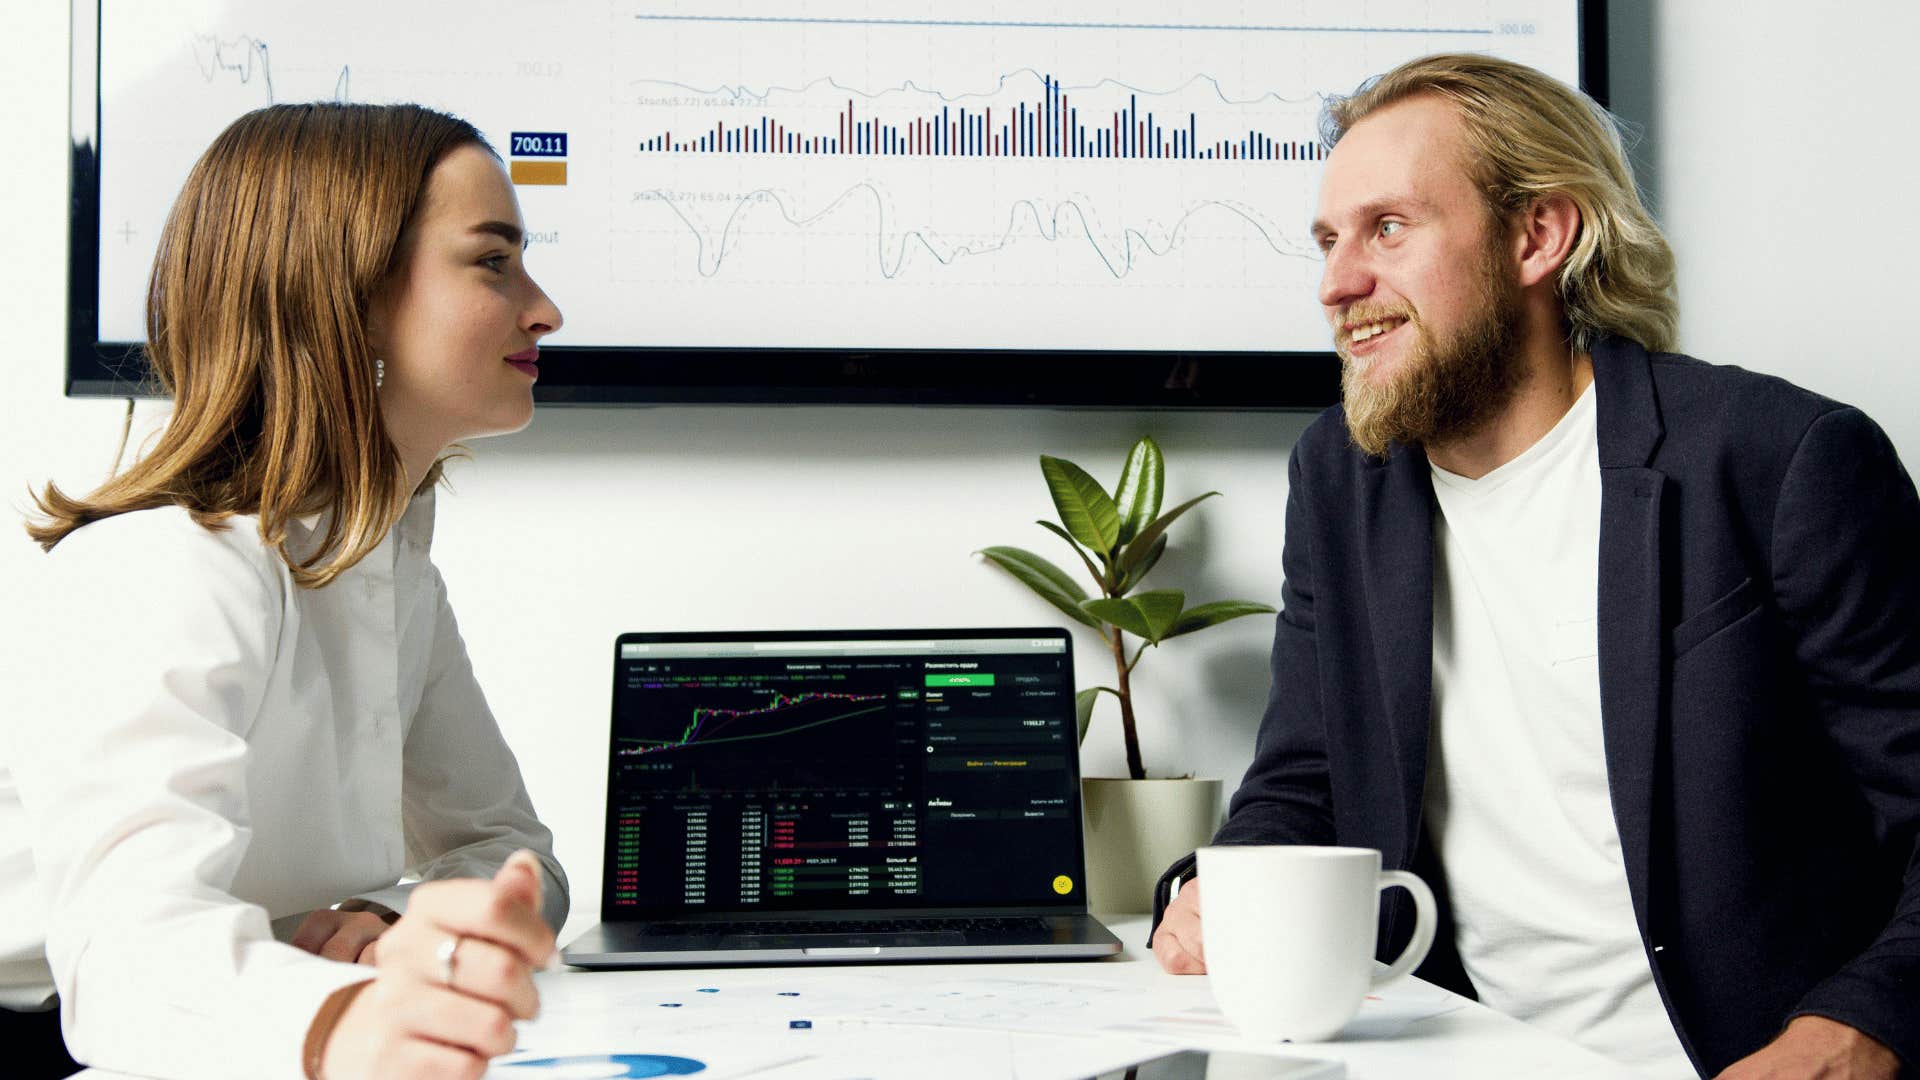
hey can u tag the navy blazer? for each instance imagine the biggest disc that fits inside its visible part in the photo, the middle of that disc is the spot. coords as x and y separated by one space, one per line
1759 624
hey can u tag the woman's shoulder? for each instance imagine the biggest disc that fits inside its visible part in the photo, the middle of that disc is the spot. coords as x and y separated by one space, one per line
166 547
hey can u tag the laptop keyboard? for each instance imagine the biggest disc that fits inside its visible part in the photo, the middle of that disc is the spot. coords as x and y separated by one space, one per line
862 926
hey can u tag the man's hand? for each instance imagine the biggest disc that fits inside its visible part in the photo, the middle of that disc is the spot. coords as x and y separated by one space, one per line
1176 944
422 1016
1816 1048
346 936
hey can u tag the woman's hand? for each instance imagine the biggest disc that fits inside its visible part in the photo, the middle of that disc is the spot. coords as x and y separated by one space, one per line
454 973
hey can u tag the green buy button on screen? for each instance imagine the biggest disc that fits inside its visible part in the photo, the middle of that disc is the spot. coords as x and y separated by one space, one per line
970 679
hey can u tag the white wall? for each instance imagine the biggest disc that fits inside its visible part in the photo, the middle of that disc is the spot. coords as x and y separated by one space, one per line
1781 164
1785 173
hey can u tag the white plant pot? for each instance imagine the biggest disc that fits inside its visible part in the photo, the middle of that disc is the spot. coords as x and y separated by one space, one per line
1135 829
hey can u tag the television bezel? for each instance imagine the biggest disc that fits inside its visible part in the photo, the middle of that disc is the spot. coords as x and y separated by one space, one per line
589 375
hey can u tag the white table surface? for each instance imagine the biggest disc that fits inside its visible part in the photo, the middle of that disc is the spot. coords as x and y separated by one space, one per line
1470 1042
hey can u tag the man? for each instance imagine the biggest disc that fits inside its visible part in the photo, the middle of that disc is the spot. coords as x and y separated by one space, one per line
1619 650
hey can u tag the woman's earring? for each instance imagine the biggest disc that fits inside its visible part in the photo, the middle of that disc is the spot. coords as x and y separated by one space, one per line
379 372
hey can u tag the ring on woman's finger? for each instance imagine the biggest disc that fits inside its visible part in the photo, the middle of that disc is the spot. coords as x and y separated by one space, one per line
446 954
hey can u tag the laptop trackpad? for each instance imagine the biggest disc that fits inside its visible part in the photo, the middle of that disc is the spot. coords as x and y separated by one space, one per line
843 944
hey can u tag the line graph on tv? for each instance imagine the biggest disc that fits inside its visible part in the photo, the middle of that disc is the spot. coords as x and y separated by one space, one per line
895 247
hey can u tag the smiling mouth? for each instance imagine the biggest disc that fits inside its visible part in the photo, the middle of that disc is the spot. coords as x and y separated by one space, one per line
1361 333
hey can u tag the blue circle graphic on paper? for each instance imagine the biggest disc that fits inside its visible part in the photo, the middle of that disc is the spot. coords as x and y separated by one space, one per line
611 1065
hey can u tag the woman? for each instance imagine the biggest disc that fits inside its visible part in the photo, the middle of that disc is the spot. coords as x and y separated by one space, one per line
253 703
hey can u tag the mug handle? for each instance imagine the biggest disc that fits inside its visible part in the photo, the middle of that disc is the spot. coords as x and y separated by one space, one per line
1424 921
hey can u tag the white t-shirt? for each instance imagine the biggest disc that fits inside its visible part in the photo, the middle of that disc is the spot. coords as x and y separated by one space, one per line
199 747
1516 794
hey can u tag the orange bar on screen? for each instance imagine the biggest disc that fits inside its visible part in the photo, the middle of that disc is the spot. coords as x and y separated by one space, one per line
538 172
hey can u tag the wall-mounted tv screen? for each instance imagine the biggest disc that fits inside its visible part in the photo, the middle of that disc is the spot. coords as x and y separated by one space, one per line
962 202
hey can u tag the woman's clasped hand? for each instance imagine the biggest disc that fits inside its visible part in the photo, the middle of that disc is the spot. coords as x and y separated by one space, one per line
453 975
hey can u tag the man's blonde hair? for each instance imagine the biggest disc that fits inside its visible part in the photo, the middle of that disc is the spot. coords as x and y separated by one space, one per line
286 228
1529 135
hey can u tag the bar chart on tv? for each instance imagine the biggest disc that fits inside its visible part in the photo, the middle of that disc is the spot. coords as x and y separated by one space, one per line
846 175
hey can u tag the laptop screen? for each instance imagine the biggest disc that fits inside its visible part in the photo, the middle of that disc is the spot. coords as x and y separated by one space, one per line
794 772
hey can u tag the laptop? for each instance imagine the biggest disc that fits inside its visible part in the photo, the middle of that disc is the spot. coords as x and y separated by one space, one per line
842 797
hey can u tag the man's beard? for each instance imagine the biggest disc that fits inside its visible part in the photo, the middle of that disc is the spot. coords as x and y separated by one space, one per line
1444 390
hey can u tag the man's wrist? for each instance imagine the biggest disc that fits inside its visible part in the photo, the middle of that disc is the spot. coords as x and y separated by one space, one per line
1840 1040
371 907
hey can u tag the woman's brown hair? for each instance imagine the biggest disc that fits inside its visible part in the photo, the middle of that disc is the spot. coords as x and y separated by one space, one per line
284 232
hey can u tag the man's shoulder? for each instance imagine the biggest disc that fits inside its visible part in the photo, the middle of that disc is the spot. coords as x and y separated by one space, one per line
1325 454
1707 405
1326 435
1690 382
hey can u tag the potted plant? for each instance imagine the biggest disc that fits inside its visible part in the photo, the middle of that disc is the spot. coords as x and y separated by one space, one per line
1135 826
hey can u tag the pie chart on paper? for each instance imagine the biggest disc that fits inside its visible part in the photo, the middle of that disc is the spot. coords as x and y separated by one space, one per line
598 1066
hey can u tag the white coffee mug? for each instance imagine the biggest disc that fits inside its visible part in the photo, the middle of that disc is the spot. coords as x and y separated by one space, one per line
1289 934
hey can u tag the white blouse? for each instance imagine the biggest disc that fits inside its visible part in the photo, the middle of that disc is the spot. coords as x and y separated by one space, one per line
195 749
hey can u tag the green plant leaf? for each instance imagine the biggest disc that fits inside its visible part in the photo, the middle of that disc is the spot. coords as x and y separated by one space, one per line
1142 565
1141 483
1148 615
1054 585
1084 506
1083 705
1092 571
1205 615
1143 544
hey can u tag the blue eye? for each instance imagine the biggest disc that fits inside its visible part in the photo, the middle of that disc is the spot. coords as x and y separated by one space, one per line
1388 228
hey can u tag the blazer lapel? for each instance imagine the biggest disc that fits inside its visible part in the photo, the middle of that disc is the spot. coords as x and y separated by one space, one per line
1631 687
1397 538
